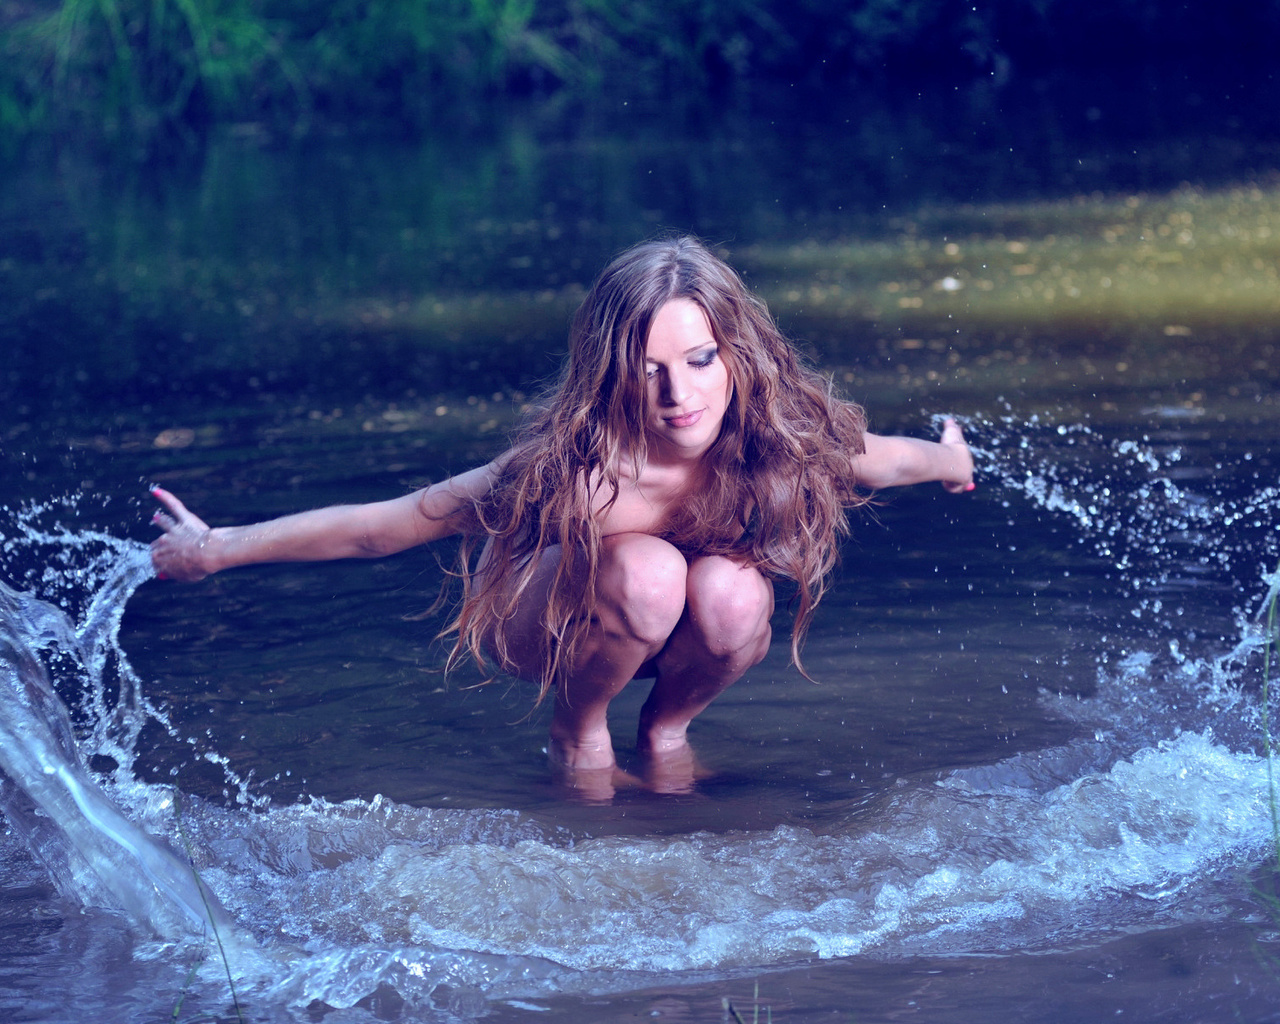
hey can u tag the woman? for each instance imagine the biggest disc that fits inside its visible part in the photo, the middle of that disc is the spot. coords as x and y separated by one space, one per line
683 462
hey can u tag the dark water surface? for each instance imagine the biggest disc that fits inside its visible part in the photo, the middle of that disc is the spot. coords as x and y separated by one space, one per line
1026 780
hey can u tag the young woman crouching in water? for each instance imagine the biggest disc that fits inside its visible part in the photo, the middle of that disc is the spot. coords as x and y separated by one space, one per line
684 461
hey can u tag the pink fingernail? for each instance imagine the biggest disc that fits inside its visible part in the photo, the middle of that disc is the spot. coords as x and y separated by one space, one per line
971 486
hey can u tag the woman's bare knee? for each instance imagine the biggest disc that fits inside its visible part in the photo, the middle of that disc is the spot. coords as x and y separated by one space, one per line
730 605
641 587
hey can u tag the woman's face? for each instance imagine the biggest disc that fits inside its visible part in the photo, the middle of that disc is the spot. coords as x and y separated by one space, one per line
689 384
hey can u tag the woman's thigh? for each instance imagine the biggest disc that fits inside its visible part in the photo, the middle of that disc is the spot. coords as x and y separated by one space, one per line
640 596
522 650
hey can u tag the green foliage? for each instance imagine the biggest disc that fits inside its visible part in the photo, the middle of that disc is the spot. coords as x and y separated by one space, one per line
137 67
144 67
399 59
148 67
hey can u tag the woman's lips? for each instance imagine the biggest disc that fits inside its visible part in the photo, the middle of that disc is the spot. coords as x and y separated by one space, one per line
687 420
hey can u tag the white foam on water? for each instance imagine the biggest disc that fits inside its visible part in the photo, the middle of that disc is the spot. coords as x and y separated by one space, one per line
979 861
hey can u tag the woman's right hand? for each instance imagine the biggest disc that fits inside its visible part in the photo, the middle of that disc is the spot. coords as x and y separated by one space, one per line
952 435
180 552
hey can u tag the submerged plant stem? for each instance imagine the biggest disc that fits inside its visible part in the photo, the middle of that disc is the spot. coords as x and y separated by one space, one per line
213 924
1273 642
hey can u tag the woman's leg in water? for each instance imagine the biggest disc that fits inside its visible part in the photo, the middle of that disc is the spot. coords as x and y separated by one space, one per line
724 631
640 598
698 626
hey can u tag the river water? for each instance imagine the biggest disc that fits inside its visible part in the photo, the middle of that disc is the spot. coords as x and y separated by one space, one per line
1028 779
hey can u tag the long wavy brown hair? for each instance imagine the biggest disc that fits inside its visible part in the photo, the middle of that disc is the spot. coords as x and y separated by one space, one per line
779 478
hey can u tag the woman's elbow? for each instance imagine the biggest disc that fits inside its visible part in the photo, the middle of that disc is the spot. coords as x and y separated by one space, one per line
373 547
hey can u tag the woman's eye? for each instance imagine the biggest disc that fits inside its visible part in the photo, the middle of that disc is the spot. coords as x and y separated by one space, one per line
704 360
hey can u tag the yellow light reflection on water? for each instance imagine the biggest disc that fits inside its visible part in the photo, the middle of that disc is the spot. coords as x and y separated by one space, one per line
1183 259
1093 294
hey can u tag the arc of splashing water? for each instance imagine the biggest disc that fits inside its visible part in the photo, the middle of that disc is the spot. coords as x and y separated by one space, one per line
131 871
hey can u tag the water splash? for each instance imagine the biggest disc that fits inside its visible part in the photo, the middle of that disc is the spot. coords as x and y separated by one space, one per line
76 585
94 851
1193 550
1165 520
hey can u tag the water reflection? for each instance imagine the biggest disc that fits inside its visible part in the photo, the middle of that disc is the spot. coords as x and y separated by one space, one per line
451 264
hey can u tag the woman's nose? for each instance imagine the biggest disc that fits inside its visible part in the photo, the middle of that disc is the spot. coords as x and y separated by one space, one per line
675 388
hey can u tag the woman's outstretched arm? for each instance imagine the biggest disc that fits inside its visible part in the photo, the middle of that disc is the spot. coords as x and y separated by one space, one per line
899 461
189 550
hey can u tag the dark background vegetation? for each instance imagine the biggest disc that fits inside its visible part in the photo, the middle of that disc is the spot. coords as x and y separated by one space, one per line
157 68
